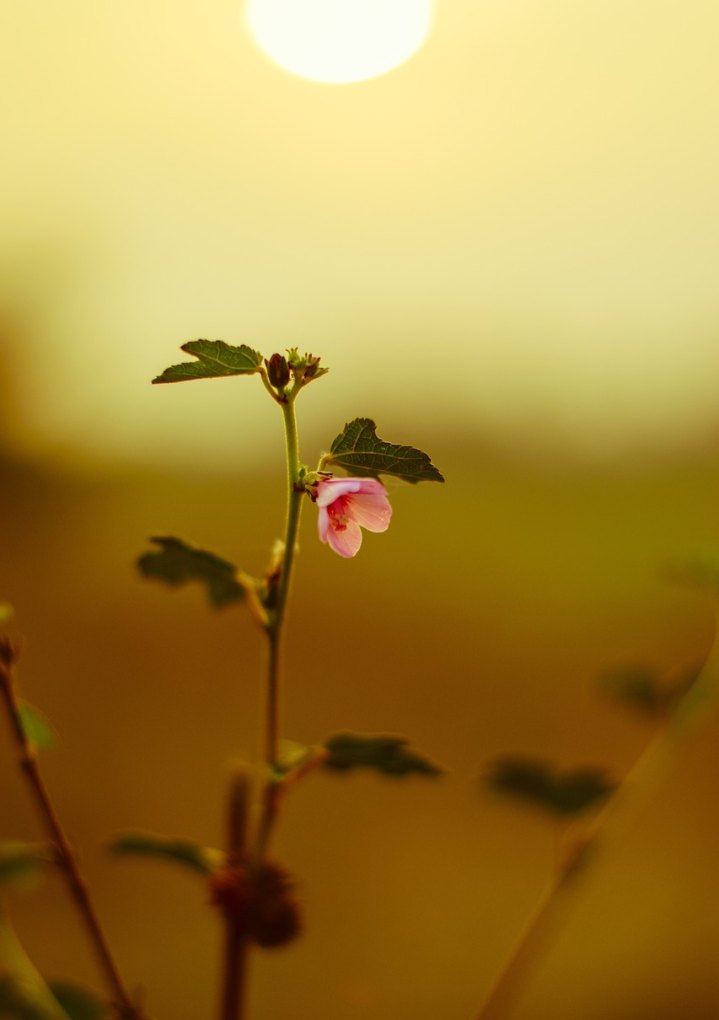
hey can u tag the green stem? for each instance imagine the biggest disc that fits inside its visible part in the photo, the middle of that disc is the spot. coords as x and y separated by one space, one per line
604 832
275 628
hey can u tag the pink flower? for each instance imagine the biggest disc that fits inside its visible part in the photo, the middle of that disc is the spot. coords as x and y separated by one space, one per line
346 505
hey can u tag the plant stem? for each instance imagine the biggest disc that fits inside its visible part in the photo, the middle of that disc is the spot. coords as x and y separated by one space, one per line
236 942
236 947
66 858
605 830
275 629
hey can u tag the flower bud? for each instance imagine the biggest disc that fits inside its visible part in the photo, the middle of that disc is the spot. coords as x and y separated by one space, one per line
276 913
278 371
261 902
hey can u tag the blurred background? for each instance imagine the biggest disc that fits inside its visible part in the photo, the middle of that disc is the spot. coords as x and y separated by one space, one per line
505 251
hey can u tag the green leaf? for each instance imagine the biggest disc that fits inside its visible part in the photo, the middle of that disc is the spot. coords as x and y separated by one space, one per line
388 755
20 860
561 793
177 563
646 691
78 1003
214 358
36 727
24 995
358 450
202 859
6 612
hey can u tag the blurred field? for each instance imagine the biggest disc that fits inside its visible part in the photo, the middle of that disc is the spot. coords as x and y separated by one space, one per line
477 625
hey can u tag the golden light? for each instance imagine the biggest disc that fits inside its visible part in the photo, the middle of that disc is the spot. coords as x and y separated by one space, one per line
339 41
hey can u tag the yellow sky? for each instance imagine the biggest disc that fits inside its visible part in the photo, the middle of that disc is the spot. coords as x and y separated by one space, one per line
521 221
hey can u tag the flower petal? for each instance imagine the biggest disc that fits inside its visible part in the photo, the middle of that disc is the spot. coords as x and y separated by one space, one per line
323 523
370 487
371 511
346 540
330 489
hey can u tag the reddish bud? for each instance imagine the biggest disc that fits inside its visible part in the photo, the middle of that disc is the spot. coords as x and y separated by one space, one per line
278 371
276 914
262 902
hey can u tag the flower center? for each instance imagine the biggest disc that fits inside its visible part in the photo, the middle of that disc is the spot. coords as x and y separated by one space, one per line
340 519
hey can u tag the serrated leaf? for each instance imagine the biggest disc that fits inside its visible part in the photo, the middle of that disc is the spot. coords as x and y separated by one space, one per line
388 755
20 860
78 1003
200 859
36 727
176 563
358 450
561 793
215 358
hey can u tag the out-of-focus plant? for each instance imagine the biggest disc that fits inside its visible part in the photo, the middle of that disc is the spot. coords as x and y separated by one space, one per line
591 808
252 892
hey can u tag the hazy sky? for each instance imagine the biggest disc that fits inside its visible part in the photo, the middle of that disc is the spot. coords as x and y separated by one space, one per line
521 222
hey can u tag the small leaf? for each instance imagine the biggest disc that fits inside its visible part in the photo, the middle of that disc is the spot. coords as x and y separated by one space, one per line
388 755
78 1003
647 691
204 860
214 358
290 755
6 612
358 450
19 860
36 727
561 793
177 563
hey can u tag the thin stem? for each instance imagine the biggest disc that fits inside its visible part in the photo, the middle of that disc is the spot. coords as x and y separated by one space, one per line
271 794
236 945
276 626
606 829
66 858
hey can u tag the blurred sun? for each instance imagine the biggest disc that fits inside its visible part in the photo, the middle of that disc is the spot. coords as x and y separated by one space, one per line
339 41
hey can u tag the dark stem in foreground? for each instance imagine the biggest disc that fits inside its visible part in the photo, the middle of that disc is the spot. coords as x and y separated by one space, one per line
236 946
66 858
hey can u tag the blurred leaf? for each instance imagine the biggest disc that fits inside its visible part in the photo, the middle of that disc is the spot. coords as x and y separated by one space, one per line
78 1003
358 450
19 860
204 860
16 1001
560 793
647 691
36 727
6 612
214 358
388 755
290 755
177 563
24 995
